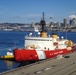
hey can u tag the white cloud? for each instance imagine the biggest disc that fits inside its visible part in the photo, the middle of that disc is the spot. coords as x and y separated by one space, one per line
17 17
72 16
34 15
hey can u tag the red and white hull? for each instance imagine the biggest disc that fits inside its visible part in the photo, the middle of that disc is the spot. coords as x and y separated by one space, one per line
35 55
43 47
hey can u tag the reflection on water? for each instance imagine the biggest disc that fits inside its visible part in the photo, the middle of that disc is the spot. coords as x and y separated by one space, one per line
8 65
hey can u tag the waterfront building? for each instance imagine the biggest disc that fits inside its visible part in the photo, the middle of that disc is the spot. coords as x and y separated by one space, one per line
73 22
65 22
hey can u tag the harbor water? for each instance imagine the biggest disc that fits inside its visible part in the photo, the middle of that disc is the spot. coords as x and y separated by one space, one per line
15 39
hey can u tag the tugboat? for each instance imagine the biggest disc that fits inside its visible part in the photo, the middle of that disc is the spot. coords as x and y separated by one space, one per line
43 47
9 56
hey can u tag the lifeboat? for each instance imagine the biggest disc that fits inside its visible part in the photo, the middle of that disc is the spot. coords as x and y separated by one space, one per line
43 47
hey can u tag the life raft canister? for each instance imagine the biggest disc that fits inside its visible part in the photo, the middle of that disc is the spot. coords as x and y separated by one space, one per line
69 43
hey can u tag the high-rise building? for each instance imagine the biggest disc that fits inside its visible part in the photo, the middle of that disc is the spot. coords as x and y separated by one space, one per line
73 22
65 22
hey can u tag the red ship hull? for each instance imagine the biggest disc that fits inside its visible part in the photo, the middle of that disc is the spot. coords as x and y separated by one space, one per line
32 55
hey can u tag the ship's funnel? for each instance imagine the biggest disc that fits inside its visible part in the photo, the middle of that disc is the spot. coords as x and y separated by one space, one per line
54 35
43 34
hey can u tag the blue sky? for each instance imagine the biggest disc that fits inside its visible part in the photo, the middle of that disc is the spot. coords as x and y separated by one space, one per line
27 11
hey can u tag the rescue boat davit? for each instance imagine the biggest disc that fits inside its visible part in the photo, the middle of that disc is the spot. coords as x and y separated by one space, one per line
43 47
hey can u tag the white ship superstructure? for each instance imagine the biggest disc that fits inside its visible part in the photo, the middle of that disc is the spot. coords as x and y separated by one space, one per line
43 47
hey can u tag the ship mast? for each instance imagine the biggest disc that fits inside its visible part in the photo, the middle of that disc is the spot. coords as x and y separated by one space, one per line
43 32
43 23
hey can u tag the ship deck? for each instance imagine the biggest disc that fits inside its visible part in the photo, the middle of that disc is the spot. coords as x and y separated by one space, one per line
63 66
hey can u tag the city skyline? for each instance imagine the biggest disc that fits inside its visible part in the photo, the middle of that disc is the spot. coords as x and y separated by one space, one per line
27 11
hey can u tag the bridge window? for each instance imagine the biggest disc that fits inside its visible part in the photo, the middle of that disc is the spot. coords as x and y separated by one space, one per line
39 39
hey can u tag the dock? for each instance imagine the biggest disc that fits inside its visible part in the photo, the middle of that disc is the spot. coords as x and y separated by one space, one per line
57 66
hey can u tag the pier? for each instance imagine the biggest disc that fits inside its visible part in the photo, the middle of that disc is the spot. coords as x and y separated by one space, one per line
57 66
